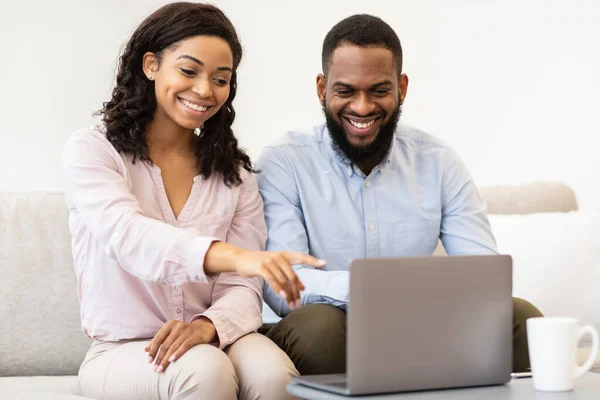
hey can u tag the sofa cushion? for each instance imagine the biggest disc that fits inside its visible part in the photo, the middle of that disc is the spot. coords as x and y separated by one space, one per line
41 329
40 388
556 261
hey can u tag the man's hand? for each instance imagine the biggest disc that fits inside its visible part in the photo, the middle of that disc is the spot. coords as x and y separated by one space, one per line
177 337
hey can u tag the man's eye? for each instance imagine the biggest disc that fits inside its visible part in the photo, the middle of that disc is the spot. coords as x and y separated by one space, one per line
343 92
381 91
188 72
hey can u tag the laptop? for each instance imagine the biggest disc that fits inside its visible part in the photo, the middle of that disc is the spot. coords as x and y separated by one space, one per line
425 323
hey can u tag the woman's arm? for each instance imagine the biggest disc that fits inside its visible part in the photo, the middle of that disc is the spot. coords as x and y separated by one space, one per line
99 193
154 250
236 307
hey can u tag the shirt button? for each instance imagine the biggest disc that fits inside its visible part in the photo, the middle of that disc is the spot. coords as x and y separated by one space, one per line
178 288
368 183
178 311
371 227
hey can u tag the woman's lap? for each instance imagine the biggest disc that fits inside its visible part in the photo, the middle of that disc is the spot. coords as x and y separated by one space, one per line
252 367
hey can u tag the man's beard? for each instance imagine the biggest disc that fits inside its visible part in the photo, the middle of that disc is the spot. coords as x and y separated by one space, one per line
374 151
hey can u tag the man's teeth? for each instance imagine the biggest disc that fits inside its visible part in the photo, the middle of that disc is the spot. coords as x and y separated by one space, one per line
193 106
362 125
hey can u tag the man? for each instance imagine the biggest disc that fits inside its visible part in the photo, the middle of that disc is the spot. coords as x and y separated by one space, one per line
363 186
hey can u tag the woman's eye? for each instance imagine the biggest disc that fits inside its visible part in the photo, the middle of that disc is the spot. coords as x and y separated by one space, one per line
221 82
188 72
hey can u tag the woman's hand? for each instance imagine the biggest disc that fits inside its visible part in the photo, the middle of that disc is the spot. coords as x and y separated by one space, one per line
177 337
275 267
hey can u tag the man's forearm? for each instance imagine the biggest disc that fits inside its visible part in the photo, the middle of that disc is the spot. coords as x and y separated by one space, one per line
325 287
331 284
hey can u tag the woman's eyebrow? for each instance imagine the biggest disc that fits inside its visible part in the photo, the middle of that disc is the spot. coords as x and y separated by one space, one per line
200 63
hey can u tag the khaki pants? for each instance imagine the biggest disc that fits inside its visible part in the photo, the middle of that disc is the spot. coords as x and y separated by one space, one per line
251 368
314 336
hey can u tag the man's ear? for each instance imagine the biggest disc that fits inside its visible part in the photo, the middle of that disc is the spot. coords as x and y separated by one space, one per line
150 65
403 87
321 88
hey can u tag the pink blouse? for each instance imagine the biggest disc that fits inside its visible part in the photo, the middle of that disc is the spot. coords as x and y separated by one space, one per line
137 265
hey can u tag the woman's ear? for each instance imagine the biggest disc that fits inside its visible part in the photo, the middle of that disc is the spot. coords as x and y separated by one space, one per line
150 65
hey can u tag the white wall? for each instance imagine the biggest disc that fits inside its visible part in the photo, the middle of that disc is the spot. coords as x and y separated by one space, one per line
513 85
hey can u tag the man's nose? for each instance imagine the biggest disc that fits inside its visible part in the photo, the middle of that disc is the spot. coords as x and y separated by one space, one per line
362 104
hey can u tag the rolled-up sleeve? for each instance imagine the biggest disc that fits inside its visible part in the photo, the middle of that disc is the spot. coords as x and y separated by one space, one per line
236 307
99 194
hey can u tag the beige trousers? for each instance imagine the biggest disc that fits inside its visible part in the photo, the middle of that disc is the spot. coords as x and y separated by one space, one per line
251 368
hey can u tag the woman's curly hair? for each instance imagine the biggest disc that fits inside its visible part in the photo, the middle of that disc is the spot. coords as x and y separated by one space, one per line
133 101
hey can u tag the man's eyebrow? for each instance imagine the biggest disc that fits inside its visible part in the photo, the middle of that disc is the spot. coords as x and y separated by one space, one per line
200 63
382 83
375 86
344 85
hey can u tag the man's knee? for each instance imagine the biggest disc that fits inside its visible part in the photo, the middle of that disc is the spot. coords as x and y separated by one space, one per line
311 322
522 311
314 337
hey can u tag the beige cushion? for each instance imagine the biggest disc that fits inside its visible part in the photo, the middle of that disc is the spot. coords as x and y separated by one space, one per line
556 261
40 388
531 198
39 309
537 197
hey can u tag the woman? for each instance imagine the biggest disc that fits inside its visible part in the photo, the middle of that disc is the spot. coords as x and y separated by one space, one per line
168 226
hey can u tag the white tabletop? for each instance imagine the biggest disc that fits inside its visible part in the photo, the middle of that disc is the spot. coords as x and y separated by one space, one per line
586 388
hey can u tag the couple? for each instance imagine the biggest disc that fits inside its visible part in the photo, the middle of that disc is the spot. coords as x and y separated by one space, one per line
168 217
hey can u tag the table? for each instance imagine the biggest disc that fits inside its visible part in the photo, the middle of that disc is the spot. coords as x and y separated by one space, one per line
586 388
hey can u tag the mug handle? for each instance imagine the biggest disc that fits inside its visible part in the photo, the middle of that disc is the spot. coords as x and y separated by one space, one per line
593 355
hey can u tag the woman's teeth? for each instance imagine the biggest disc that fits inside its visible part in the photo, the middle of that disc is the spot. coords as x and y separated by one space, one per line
193 106
362 125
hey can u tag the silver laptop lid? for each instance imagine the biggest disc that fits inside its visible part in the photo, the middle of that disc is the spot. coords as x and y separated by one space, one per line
429 322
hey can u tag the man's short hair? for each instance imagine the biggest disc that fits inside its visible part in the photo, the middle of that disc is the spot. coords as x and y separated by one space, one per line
361 30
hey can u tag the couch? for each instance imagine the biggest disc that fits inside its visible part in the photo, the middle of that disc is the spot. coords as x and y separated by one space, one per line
556 266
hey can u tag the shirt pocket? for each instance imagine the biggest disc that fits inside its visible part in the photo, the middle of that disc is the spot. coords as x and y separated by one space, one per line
215 225
415 237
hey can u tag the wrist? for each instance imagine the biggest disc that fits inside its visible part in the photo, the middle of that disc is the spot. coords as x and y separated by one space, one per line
238 258
207 329
222 257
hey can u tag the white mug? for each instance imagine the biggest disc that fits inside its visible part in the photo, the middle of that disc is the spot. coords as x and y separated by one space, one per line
553 346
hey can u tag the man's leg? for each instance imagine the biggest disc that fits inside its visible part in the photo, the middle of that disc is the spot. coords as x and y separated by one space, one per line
314 337
522 310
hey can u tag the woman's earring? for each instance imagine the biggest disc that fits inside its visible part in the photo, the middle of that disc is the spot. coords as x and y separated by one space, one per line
198 130
150 77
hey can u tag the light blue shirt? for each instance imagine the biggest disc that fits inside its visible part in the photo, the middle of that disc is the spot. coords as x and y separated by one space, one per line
318 203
